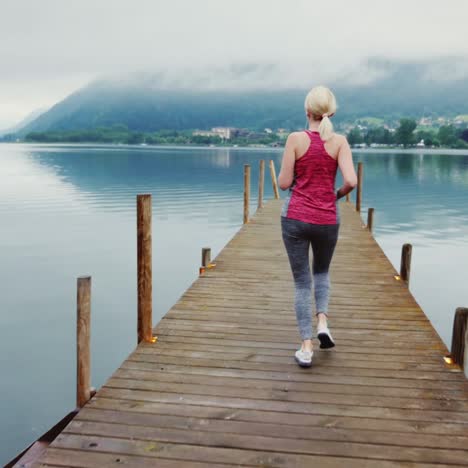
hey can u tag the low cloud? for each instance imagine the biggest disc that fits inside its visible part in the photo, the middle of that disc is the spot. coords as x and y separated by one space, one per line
50 48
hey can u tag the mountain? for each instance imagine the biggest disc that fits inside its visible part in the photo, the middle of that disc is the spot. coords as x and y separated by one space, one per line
147 102
20 125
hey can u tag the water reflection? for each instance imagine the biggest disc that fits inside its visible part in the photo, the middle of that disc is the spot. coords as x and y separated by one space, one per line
68 211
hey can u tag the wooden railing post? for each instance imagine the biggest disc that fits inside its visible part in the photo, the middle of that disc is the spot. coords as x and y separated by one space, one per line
370 219
347 197
273 179
359 187
261 183
246 192
205 256
405 266
83 352
459 348
145 276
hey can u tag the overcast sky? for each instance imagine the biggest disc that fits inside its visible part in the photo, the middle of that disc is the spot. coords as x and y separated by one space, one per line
49 48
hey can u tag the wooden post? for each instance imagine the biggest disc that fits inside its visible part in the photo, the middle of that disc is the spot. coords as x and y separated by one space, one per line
405 266
145 276
347 197
370 219
359 187
205 256
83 353
246 192
261 183
273 179
459 349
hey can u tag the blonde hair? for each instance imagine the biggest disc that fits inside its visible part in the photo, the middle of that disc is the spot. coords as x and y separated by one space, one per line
320 103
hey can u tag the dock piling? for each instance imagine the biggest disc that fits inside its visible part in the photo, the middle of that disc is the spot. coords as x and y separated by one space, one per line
359 187
261 183
405 265
246 192
459 348
206 256
273 179
348 198
144 264
83 352
370 219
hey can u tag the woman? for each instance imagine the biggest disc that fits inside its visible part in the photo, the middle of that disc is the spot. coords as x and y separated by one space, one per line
310 216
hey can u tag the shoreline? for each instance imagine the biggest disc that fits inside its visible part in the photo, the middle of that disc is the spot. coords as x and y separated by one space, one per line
116 146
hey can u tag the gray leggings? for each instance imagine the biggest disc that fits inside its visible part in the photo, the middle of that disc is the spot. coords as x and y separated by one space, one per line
298 237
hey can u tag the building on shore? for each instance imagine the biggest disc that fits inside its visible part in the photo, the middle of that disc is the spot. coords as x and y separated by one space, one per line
225 133
282 132
425 122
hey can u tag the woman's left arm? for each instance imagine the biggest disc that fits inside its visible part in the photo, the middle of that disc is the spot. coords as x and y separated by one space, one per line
286 175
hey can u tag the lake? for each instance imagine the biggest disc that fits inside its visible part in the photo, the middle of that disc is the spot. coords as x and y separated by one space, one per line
68 211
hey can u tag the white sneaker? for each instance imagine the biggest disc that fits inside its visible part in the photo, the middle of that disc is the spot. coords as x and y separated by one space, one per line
304 358
325 338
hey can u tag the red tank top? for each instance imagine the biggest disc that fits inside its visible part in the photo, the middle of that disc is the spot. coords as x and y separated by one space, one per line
312 197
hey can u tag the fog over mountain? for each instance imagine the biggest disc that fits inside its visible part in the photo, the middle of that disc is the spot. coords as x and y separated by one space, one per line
256 96
51 48
20 125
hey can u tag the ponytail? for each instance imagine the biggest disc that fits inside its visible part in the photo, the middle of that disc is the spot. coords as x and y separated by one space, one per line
325 128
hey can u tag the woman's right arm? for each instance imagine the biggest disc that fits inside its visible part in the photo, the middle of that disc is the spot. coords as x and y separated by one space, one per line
345 163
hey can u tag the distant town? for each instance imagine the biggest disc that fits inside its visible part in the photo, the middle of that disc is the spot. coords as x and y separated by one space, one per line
372 132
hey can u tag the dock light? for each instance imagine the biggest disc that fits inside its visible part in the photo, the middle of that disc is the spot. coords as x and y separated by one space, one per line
448 359
397 277
154 339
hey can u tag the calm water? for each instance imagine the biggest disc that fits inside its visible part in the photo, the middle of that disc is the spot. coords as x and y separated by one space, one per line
70 211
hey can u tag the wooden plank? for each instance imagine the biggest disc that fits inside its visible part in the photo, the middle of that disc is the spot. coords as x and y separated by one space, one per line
270 352
336 377
277 417
383 413
213 439
331 432
222 454
311 433
287 386
85 459
335 359
323 365
318 396
371 344
275 346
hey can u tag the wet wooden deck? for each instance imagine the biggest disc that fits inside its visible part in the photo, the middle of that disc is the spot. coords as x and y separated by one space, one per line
220 387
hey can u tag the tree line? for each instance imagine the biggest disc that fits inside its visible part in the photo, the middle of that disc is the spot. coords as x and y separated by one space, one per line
119 133
407 135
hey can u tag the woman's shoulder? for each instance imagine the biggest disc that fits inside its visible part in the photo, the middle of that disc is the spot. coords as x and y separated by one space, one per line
339 137
297 139
339 140
294 136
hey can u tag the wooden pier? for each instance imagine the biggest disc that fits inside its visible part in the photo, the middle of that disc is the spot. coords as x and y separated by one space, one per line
218 385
